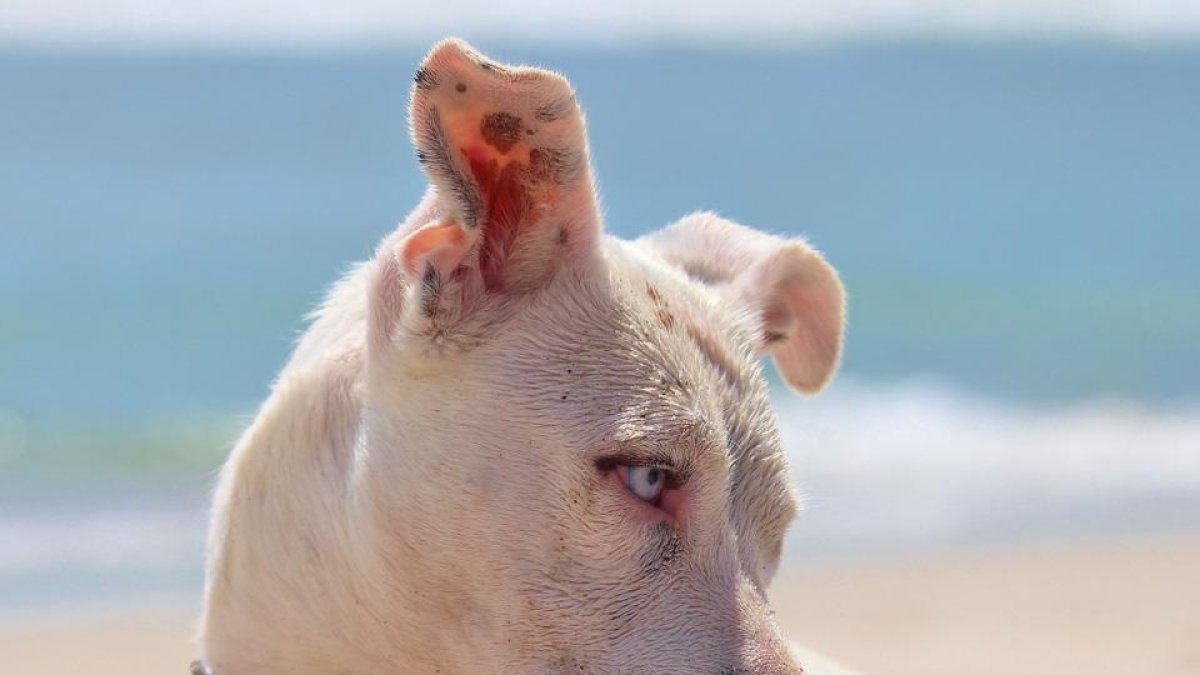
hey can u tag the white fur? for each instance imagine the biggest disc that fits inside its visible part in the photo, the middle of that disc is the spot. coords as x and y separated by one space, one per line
419 494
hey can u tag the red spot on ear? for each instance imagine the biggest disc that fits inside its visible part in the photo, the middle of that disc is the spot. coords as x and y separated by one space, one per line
507 202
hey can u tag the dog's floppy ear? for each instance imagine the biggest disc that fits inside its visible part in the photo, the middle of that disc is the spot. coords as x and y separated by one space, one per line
506 153
796 295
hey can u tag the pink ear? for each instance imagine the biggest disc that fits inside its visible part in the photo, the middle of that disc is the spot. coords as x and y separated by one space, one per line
441 245
796 295
506 152
802 307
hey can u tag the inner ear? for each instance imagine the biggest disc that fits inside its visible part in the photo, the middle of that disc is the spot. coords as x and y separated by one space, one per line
506 152
801 307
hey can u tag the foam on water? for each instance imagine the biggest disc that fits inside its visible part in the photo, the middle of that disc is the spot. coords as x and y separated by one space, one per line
919 463
100 541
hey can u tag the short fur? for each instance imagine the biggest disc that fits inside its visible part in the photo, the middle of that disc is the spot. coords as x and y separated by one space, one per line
426 488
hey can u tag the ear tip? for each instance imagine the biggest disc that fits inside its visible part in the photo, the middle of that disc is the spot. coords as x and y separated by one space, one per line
455 55
802 373
451 48
797 253
451 55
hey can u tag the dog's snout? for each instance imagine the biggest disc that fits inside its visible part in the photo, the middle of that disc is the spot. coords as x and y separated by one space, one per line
771 659
766 654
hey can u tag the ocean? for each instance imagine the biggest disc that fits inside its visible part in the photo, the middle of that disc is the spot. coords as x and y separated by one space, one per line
1017 226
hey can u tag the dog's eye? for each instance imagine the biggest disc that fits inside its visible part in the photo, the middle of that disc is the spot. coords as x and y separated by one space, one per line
645 482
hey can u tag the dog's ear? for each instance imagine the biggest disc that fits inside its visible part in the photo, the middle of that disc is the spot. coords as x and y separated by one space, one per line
796 295
506 152
511 200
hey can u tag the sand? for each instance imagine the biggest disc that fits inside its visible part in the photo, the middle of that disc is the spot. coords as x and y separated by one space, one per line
1131 607
1124 607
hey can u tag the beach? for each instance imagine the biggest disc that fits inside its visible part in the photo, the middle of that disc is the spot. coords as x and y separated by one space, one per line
1117 606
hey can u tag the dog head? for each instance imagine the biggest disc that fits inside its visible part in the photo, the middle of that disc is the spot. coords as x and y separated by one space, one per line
570 434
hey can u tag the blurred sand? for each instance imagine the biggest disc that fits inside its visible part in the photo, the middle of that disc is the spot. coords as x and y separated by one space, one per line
1131 607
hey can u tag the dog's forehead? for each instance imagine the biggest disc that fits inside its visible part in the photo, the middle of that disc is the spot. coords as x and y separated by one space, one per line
644 351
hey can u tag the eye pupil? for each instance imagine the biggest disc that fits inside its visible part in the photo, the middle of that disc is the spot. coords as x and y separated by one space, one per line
653 475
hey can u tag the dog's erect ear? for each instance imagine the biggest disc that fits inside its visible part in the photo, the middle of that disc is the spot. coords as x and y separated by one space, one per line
506 152
797 296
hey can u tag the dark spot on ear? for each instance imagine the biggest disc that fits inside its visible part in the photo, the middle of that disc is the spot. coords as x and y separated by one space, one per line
460 88
771 338
425 79
554 110
501 130
564 237
529 131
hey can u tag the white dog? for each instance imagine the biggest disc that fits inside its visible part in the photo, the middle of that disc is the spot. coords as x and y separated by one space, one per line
512 444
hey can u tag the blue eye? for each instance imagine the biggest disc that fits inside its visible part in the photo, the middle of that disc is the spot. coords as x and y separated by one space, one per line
646 482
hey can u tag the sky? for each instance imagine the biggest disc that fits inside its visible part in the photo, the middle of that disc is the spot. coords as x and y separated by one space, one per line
618 22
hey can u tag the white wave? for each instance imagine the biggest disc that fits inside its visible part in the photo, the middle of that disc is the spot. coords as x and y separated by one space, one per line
750 21
925 463
100 541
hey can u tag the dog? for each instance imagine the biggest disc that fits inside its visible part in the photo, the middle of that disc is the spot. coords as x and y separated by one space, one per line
512 444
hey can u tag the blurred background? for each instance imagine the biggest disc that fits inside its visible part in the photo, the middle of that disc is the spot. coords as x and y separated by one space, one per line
1006 475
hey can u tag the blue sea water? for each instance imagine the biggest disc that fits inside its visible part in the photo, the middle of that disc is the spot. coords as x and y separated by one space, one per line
1018 228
